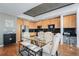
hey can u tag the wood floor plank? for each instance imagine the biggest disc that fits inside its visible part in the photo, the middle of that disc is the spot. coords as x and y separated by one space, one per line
65 50
9 50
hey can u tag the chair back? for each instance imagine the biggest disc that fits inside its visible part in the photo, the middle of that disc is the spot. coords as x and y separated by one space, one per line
25 36
47 48
48 36
41 35
56 41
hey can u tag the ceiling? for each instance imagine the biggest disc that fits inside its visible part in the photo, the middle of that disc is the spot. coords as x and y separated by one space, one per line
44 8
16 8
30 11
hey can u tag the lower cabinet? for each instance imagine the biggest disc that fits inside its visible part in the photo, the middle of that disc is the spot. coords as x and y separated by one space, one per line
70 40
9 38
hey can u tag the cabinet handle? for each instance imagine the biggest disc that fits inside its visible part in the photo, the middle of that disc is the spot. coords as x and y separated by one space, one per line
10 39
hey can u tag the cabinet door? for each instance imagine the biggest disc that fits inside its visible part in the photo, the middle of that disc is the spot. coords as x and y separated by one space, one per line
6 39
70 21
13 37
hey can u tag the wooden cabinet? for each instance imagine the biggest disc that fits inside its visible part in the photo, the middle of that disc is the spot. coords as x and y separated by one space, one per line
73 21
70 21
19 22
27 23
19 29
32 25
56 22
39 23
45 23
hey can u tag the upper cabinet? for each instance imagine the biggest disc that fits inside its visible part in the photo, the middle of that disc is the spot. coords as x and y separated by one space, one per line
27 23
56 22
70 21
32 25
19 21
46 22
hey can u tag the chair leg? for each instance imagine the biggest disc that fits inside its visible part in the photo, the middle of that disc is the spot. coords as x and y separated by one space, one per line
56 53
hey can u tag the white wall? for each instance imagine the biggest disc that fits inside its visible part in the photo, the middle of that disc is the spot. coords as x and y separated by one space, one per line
4 28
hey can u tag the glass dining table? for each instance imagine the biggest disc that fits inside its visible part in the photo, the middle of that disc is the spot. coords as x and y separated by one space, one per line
32 50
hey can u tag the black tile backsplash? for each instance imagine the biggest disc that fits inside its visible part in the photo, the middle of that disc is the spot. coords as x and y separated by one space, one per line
72 31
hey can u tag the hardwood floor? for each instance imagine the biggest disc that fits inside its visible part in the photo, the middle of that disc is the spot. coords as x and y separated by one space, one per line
67 50
11 50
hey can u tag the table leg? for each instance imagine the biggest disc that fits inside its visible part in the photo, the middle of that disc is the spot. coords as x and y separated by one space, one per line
41 52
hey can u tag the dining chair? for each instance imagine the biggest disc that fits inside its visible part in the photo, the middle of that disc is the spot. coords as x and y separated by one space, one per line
40 38
47 48
41 35
51 48
56 41
26 37
48 36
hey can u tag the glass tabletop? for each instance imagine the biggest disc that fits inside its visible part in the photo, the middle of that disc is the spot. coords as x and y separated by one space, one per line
31 46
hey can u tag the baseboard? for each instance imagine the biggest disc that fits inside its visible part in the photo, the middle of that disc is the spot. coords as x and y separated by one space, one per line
1 45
